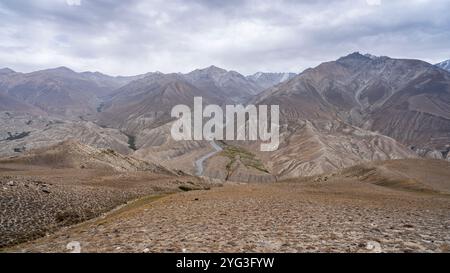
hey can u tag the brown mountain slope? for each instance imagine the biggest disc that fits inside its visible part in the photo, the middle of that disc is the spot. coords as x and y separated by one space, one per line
422 175
311 147
147 103
405 99
8 103
74 155
60 91
108 84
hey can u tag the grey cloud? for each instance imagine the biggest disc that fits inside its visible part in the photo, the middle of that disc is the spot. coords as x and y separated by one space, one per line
130 37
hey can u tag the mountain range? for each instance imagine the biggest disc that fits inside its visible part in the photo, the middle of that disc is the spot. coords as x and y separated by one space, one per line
404 99
356 109
59 91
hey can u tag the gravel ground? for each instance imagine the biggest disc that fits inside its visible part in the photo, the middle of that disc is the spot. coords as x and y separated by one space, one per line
32 206
283 217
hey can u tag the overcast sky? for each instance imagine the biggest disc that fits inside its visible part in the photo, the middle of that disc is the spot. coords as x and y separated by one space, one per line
129 37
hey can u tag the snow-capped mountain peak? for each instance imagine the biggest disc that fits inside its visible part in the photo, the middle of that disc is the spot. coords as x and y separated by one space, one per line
444 65
267 80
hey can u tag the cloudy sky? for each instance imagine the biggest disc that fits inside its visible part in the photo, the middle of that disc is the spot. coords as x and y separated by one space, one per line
137 36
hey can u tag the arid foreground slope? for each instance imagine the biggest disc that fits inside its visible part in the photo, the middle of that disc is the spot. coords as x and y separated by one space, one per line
68 183
382 206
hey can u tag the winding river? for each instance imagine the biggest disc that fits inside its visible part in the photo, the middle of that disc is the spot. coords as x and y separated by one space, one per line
199 162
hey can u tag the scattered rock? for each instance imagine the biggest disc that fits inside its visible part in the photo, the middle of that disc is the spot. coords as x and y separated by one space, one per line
414 246
74 247
374 247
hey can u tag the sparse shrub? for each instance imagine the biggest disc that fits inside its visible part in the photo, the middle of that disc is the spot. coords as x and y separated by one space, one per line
68 217
185 188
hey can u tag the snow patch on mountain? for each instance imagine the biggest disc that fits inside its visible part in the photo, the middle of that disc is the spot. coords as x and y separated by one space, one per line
444 65
267 80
